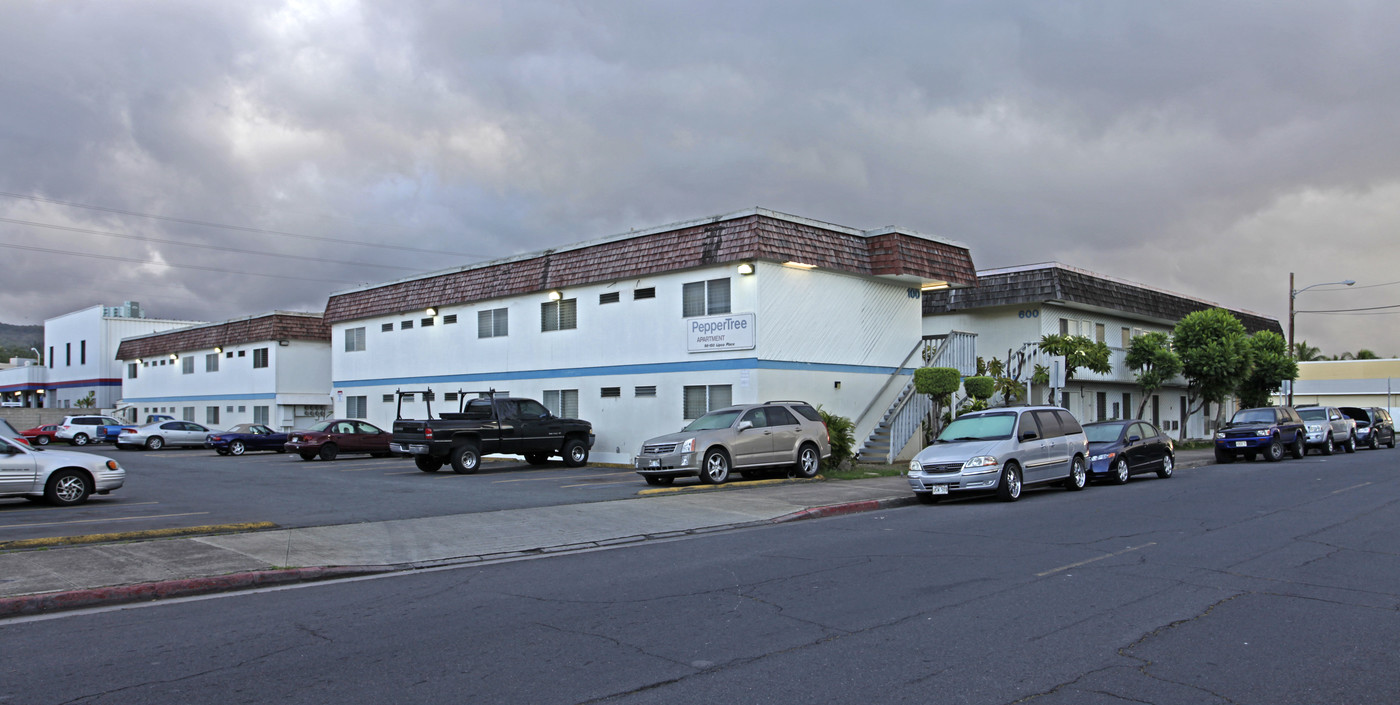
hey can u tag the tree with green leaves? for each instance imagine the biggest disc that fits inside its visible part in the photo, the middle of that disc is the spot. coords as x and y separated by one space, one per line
1214 351
939 383
1269 365
1307 353
1079 352
1151 357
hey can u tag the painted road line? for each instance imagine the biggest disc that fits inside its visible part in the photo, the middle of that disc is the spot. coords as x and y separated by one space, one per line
1348 489
99 521
1063 568
598 484
99 504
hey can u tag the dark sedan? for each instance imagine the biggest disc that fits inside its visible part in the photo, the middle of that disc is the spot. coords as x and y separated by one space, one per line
244 437
1120 449
328 439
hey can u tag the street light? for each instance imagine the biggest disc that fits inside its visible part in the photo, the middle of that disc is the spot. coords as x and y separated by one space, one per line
1292 295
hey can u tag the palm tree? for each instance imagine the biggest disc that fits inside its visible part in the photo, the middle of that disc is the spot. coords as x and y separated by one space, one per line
1306 353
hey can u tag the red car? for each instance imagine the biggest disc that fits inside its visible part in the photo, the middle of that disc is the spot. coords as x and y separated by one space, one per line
40 435
328 439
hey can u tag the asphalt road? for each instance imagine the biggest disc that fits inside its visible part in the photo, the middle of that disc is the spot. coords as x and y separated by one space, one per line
177 488
1250 583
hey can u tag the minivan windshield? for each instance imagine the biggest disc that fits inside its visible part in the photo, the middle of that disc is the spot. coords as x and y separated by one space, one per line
1103 432
1253 416
723 418
984 427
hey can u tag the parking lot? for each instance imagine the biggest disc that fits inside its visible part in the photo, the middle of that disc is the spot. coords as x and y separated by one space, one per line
182 488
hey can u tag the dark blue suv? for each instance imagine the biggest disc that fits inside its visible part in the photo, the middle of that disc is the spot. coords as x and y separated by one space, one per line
1268 430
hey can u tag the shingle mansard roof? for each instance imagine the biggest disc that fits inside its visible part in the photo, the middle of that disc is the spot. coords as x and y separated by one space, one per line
278 325
1055 282
755 234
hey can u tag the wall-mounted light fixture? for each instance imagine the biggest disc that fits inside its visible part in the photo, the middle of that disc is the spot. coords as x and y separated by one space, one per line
799 265
430 312
173 356
284 343
218 348
746 268
933 286
556 295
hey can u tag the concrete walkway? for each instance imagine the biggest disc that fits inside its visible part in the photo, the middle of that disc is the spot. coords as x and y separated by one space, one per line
34 582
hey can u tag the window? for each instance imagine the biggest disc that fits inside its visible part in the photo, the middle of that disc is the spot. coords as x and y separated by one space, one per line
187 365
356 408
260 415
259 357
388 398
354 340
229 409
211 415
562 402
425 322
241 409
187 413
1099 332
405 325
647 293
559 315
229 355
1101 401
131 370
450 396
1128 410
705 298
242 353
82 352
492 323
449 319
386 328
700 400
645 391
406 397
611 392
211 362
611 297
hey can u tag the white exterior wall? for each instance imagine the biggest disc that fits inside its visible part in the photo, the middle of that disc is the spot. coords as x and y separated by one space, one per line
1009 328
71 375
297 375
813 328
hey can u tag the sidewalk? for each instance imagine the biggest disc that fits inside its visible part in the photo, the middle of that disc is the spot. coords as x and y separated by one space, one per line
36 582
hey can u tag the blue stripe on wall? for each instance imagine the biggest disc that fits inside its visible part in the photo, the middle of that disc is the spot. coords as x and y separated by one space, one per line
204 397
747 363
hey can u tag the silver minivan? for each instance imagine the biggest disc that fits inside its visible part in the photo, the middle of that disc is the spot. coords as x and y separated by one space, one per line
1002 450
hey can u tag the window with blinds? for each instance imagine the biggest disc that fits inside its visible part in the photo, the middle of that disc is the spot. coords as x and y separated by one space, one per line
705 298
559 315
492 323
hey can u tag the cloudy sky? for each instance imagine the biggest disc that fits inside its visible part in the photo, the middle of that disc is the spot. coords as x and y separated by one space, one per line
217 159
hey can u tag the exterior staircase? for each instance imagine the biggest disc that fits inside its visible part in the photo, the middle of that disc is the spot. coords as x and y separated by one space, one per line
905 416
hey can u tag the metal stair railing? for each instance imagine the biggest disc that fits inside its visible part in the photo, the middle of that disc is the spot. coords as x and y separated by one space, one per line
906 415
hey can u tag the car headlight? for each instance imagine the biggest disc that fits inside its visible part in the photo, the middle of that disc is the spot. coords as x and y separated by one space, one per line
1262 432
981 464
1102 456
1220 435
688 445
1314 427
914 467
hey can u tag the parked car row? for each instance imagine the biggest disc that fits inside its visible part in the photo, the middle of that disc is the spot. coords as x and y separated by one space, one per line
1272 431
1008 449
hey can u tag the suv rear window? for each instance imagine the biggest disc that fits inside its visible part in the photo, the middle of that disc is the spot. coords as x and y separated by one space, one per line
807 412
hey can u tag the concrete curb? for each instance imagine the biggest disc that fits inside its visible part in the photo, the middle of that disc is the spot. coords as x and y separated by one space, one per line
28 605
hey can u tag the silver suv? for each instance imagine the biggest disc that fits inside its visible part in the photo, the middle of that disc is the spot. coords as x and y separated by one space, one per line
1002 450
82 430
744 437
1328 429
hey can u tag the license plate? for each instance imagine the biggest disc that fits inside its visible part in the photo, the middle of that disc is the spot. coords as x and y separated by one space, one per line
938 489
1241 444
654 463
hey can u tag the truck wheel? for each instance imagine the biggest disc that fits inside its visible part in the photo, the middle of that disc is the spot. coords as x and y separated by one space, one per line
536 458
575 453
427 463
466 458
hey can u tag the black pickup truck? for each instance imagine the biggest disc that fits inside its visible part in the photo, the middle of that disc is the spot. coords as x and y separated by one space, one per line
484 425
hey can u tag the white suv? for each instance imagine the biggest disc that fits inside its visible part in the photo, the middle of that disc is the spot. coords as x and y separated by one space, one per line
81 430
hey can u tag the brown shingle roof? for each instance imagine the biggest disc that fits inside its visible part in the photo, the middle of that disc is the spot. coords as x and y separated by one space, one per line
279 325
752 235
1056 282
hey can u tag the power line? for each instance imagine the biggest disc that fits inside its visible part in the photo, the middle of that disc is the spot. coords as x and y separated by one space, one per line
240 228
1349 310
220 248
134 260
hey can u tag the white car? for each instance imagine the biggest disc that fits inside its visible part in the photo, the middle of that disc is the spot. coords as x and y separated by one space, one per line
155 436
82 430
62 477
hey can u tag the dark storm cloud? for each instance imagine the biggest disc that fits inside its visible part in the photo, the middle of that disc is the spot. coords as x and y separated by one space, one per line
1209 148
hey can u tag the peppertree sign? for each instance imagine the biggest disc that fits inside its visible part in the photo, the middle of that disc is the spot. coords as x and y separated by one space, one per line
719 333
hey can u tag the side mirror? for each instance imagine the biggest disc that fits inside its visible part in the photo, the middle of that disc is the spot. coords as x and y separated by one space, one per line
1029 435
1134 439
745 425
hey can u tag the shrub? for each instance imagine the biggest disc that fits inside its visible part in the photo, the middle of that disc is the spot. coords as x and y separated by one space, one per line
843 442
980 388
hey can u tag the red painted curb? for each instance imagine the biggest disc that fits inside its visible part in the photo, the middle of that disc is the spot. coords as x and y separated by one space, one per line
833 510
28 605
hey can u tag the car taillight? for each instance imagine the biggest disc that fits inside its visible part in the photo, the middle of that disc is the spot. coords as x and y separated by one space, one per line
428 433
128 430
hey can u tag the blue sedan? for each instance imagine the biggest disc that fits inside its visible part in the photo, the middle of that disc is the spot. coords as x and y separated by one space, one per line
245 437
1120 449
